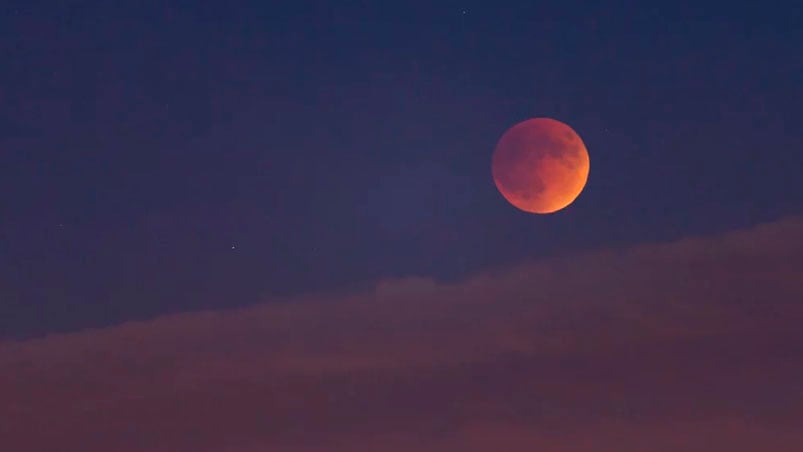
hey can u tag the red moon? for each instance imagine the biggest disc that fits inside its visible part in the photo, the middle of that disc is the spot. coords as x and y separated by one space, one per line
540 165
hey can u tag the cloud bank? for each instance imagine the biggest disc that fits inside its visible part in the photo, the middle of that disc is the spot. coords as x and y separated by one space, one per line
692 345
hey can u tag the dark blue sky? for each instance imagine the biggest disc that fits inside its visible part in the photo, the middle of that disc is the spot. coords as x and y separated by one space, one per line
171 156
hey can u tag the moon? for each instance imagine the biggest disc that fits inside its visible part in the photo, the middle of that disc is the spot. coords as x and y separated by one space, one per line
540 165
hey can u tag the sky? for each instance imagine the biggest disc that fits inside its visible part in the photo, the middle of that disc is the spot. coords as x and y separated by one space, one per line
232 226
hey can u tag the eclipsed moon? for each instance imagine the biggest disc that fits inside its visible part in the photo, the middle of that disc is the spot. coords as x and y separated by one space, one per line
540 165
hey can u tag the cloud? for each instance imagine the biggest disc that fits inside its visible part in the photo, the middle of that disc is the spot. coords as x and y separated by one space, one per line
691 345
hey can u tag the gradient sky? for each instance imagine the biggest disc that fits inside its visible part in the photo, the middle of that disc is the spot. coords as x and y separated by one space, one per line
286 211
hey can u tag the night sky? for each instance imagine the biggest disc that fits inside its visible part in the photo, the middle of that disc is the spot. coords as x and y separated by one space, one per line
246 226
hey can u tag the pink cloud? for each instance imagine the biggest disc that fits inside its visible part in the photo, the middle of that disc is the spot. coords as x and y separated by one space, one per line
692 345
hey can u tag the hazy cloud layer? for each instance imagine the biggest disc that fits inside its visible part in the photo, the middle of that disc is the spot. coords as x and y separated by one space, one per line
692 345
